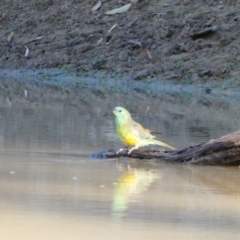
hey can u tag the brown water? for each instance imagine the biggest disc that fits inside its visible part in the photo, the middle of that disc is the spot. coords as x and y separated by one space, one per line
51 189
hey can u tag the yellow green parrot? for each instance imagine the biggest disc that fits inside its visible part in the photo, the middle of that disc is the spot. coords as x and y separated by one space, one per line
133 134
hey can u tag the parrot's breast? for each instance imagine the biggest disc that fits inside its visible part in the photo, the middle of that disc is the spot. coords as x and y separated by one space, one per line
126 136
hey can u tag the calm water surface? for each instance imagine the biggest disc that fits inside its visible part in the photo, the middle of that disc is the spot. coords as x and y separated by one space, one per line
51 189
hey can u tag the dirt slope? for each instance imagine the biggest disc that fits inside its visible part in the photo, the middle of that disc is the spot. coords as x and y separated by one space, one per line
185 40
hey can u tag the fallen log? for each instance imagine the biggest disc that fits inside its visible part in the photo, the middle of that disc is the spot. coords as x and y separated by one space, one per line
221 151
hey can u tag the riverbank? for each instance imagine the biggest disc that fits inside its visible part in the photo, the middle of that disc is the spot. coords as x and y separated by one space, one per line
186 41
53 87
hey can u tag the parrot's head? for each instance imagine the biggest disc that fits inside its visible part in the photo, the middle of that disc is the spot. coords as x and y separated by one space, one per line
121 114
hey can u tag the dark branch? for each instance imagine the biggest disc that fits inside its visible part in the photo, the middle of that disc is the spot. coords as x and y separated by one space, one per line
221 151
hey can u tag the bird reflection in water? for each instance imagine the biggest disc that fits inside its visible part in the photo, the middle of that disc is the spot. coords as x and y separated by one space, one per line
129 188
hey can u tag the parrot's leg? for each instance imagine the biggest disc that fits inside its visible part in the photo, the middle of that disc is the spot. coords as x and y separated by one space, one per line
121 149
133 148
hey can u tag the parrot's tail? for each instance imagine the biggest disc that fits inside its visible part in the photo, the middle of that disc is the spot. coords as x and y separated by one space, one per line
153 141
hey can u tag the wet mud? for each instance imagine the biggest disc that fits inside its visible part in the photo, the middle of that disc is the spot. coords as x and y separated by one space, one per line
191 41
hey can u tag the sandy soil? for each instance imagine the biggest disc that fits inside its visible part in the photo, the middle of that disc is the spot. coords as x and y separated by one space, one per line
191 41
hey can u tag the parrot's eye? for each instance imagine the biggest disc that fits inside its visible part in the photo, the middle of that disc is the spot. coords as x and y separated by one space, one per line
120 110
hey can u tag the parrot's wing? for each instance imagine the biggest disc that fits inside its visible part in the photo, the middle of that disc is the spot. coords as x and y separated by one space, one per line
139 131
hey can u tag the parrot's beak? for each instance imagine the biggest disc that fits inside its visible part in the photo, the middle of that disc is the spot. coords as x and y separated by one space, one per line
114 111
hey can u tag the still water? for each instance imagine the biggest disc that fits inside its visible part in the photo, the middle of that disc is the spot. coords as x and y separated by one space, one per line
51 189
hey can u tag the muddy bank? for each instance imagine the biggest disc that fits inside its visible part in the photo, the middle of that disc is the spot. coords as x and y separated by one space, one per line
189 41
59 88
